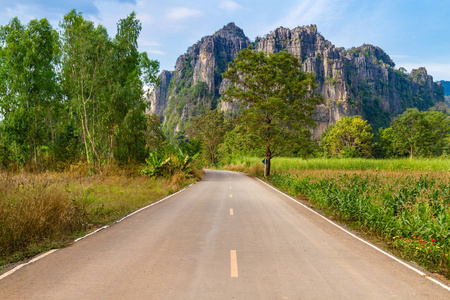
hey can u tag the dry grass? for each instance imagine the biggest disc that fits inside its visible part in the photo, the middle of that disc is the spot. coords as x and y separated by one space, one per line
42 211
254 169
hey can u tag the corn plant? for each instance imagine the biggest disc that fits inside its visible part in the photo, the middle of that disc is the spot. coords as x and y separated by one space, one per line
409 210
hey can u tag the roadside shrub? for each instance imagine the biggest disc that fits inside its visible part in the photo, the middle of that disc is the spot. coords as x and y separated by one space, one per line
168 163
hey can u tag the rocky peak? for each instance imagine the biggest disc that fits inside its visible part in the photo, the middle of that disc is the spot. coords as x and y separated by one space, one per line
359 81
373 53
230 31
197 79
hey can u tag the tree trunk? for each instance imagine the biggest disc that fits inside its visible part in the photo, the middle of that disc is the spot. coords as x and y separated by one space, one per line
268 167
268 158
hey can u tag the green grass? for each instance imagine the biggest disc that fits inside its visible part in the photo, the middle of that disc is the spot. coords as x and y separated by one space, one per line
279 164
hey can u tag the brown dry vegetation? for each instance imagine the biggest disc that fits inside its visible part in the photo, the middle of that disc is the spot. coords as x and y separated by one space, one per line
48 210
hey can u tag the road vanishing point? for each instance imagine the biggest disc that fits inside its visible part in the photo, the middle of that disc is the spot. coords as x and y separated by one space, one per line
229 236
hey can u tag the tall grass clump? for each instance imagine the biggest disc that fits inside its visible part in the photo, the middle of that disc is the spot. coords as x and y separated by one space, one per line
43 211
409 210
33 211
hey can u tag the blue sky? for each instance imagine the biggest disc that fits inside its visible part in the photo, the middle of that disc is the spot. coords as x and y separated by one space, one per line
413 33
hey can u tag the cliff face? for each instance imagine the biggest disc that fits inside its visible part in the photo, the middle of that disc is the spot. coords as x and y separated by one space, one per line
446 85
195 84
158 98
359 81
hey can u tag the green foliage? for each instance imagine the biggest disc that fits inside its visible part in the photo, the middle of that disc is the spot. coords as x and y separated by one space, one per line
71 96
29 91
169 162
411 212
238 142
210 128
414 133
277 96
349 137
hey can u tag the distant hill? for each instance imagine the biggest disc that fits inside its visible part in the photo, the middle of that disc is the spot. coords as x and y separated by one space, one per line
358 81
446 85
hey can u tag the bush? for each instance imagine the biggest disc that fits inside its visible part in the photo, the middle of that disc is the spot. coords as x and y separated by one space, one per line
168 163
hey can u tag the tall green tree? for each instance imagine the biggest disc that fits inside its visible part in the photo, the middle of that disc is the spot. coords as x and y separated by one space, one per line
210 128
416 134
29 89
131 72
277 98
87 53
349 137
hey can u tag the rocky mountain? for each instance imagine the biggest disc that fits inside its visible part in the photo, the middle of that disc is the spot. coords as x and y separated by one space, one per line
358 81
446 85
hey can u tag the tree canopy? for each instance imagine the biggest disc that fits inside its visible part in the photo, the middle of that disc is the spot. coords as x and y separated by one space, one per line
276 97
349 137
416 134
77 95
210 128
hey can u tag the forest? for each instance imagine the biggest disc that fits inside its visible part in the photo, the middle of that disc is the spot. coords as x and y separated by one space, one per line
74 94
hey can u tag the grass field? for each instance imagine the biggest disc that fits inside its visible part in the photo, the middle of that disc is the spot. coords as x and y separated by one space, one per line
403 203
43 211
279 164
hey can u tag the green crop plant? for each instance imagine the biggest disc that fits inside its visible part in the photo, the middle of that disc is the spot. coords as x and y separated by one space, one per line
394 206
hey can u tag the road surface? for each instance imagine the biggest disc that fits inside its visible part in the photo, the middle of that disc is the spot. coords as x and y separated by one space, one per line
227 237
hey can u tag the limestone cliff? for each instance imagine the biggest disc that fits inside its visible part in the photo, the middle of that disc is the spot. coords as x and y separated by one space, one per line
158 98
446 85
359 81
195 84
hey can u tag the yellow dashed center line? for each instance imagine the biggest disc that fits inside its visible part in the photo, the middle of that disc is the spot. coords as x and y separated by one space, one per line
233 260
231 212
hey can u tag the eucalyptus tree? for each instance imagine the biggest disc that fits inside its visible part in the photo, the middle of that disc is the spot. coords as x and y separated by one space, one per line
104 79
277 98
28 87
85 63
131 72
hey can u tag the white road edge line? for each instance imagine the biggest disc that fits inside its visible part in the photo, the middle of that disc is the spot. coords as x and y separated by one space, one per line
360 239
89 234
27 263
133 213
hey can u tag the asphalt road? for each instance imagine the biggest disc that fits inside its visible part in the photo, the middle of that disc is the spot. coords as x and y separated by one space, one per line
227 237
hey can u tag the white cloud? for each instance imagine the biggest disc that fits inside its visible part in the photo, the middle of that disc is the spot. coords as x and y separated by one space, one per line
158 52
150 43
229 5
182 13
